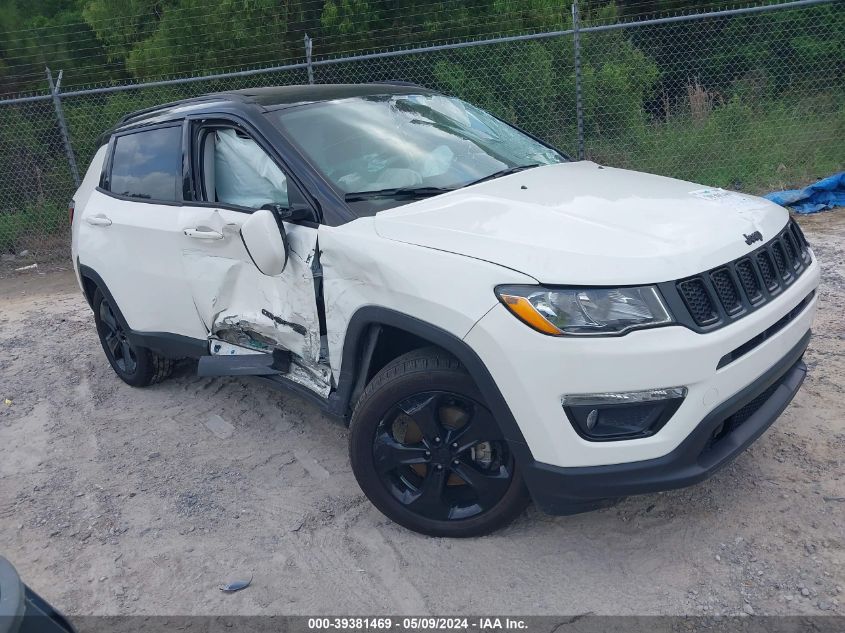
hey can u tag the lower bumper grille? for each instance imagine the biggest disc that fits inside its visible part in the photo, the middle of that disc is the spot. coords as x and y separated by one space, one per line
731 423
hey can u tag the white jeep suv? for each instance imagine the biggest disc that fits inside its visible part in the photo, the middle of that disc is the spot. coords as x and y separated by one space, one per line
494 321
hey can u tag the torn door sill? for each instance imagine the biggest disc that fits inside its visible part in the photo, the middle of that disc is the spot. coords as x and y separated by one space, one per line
309 378
316 379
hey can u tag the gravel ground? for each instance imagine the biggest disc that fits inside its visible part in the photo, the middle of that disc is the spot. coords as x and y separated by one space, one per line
115 500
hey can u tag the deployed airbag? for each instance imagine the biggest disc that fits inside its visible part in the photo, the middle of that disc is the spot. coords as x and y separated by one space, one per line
244 174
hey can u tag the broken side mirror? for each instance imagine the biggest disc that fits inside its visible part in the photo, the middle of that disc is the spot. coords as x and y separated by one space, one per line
266 241
293 213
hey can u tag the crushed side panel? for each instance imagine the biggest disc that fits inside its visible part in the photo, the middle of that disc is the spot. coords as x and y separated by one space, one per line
244 307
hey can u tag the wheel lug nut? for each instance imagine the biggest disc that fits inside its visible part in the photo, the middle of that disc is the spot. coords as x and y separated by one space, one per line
454 445
428 453
437 440
439 466
456 462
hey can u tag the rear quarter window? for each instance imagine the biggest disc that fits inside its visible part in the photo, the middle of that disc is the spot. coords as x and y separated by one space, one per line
148 165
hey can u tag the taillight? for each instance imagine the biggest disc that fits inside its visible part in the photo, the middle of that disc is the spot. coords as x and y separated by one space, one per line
70 209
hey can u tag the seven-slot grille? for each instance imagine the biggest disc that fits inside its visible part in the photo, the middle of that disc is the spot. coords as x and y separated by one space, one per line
728 292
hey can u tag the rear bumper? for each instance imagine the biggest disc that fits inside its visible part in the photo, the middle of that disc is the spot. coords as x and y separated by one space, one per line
559 490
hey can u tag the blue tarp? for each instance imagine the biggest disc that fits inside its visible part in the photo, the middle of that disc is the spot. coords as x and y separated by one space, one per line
825 194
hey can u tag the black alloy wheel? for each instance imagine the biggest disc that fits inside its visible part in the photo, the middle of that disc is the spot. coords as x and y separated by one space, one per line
115 342
135 365
441 455
428 452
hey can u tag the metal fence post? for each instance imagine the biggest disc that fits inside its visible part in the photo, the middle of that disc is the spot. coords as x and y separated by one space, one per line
579 100
60 115
308 47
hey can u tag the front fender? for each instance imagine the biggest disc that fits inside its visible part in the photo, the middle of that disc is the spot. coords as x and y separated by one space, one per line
356 364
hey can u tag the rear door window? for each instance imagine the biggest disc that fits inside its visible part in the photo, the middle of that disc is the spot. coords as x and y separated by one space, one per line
148 165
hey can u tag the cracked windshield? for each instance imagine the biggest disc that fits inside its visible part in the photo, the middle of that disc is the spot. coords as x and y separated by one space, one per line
383 151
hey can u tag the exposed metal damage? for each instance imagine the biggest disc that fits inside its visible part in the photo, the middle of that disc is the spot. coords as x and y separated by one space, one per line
244 333
248 312
296 327
317 378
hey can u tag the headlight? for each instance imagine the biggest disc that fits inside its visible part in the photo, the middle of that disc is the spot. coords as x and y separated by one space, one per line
585 311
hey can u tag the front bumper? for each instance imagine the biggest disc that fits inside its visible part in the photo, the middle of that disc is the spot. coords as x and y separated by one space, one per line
533 371
558 490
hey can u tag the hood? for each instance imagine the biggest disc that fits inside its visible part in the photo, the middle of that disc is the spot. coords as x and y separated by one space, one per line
584 224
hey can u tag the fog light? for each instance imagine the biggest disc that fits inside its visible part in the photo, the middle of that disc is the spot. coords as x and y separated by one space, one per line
592 419
603 417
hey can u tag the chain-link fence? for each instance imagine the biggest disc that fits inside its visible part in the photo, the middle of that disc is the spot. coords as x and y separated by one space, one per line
750 99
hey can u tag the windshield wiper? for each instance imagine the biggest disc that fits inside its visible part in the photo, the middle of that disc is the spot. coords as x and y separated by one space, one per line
398 192
426 192
502 172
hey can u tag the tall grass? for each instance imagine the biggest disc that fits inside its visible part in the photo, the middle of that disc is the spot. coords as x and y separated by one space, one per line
757 149
30 225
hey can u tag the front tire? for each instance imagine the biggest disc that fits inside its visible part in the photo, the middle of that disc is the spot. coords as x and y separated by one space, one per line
427 451
135 365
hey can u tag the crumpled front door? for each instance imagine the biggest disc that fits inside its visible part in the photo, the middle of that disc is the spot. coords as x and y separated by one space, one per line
238 303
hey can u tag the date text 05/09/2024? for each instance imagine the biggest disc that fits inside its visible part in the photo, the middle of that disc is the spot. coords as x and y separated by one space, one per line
425 623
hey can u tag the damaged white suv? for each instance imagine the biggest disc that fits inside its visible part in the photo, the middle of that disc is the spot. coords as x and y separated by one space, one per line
494 321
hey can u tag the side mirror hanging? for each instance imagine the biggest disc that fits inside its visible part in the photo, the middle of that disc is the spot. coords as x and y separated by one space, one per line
293 213
266 242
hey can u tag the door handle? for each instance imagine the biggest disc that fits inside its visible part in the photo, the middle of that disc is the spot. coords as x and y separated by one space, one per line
203 234
98 220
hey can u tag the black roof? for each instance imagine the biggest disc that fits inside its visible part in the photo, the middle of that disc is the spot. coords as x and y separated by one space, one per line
290 95
274 97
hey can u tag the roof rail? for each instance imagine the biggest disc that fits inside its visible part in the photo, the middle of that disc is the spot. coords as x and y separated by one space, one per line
127 117
163 106
397 82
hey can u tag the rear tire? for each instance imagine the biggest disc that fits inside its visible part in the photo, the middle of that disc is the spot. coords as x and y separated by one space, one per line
427 452
135 365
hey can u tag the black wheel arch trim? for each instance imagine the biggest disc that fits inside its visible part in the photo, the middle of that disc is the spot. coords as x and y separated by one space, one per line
164 343
362 332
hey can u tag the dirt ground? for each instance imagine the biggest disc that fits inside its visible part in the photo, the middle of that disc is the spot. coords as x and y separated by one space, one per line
116 500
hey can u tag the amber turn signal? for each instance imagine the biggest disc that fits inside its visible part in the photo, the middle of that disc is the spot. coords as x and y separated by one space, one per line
523 309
